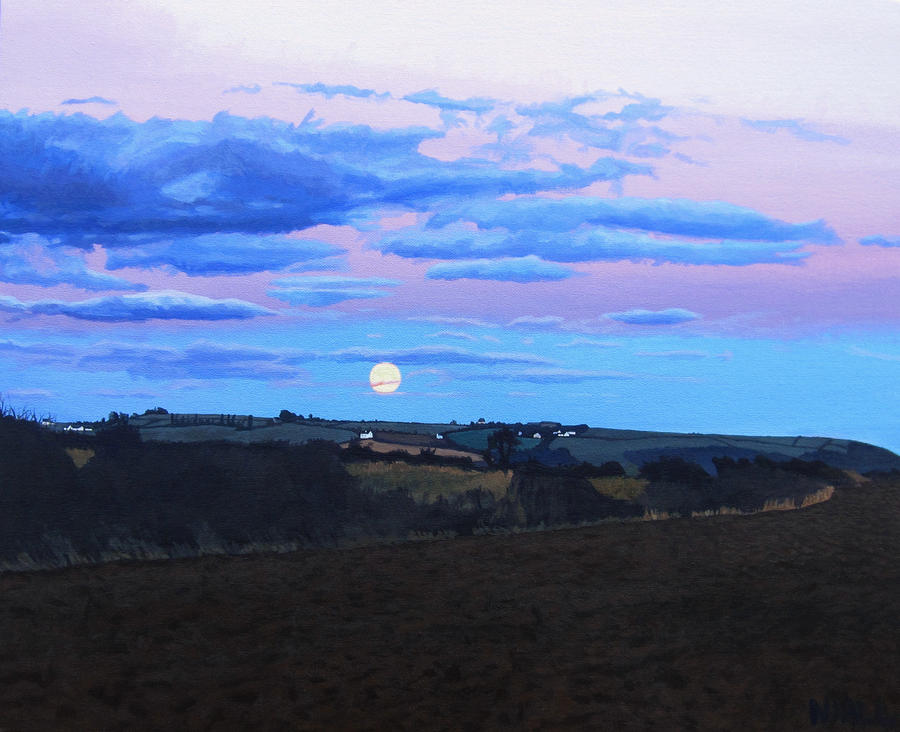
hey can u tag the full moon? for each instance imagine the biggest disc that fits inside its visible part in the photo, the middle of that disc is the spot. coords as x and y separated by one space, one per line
384 377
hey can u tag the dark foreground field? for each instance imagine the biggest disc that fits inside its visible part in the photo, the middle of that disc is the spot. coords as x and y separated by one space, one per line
722 623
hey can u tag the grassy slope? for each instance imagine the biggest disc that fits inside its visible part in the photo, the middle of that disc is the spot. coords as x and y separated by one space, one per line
293 433
426 482
721 623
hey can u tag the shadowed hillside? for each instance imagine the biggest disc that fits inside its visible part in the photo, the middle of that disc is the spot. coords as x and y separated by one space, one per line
134 499
731 622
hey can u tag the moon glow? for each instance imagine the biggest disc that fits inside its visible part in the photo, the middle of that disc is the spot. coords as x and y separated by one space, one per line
384 377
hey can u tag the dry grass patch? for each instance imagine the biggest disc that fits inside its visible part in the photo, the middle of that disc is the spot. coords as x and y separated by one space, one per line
626 489
79 455
426 482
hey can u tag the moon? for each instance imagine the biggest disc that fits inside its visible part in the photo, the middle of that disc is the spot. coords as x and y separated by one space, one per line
384 377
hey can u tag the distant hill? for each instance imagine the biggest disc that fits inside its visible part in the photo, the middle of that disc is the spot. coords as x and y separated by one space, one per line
634 448
595 445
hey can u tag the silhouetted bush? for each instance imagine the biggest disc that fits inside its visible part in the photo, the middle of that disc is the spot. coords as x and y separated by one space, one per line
610 469
675 470
36 483
542 495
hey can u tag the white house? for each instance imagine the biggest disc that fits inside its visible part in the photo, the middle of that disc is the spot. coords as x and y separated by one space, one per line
537 435
438 437
366 435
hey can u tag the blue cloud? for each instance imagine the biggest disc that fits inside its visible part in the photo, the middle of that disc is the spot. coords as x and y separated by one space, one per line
580 342
682 217
522 269
432 98
476 322
225 254
333 90
457 334
539 321
164 305
648 150
796 127
649 109
199 360
324 291
581 129
558 119
501 126
433 355
682 355
559 108
317 297
330 282
28 260
585 245
209 360
881 241
244 88
690 161
91 100
671 316
553 375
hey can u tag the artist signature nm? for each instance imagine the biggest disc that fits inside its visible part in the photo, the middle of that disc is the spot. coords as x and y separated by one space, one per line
840 709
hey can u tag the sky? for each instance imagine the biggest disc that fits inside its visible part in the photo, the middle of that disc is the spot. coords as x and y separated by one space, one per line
675 216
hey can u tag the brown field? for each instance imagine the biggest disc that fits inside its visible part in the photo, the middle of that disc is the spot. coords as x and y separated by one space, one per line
721 623
380 446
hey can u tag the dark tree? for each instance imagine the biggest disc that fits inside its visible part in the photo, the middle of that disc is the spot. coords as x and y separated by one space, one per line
674 470
500 446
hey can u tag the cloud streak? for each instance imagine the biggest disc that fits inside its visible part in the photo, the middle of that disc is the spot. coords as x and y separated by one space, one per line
678 217
432 98
165 305
325 291
226 254
29 260
599 244
553 375
796 127
522 269
670 316
880 241
90 100
330 91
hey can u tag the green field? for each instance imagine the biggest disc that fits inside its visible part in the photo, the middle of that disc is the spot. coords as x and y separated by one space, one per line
410 428
477 439
293 433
